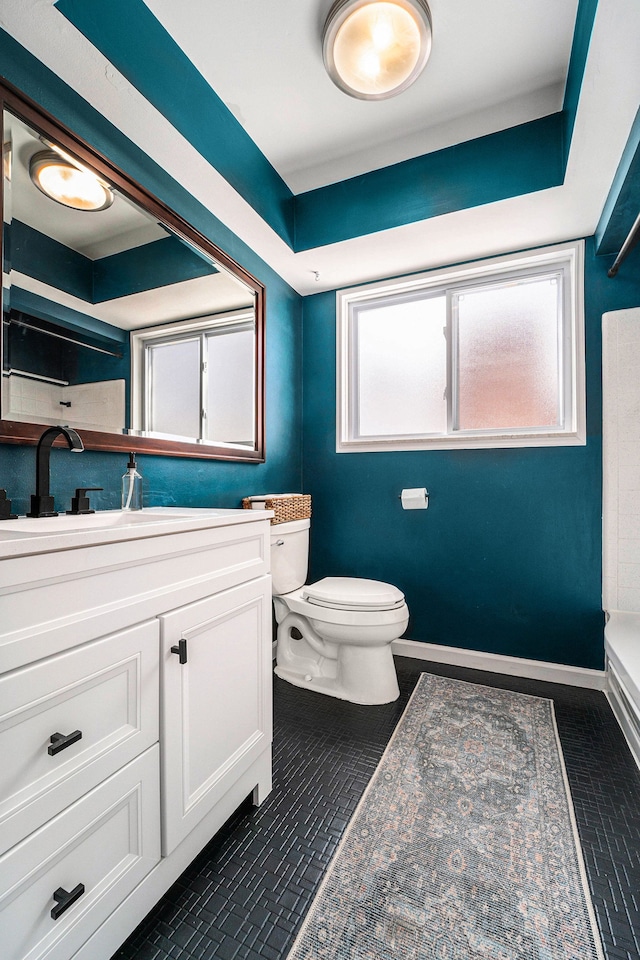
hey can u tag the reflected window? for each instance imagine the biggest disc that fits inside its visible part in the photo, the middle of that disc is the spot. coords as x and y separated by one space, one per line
174 404
198 380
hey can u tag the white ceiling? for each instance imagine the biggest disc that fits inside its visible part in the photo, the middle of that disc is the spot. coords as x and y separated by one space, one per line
494 63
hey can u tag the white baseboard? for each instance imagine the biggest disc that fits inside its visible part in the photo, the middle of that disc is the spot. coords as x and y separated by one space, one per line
495 663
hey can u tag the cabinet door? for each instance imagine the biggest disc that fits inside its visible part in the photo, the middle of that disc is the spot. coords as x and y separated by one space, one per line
216 705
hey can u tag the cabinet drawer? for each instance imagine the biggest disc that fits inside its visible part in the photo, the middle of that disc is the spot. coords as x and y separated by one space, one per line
106 842
107 691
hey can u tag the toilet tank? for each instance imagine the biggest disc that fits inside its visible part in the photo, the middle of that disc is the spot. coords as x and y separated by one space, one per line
289 555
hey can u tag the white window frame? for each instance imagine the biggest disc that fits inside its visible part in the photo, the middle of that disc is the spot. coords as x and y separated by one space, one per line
175 332
568 256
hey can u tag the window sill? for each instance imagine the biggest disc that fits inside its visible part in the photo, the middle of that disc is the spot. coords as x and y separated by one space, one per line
503 442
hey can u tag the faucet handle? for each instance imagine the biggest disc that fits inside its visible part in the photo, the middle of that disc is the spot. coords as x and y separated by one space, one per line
5 507
80 503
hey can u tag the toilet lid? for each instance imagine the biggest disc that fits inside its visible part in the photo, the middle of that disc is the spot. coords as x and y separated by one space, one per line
351 593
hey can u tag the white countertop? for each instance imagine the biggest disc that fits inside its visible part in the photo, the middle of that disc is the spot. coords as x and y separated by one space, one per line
27 535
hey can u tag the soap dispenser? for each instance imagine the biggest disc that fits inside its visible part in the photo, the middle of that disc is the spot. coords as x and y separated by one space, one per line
132 486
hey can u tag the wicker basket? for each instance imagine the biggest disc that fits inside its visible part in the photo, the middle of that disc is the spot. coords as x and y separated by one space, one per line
285 506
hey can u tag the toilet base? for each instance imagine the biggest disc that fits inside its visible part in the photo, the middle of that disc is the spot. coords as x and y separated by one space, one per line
364 675
341 653
333 688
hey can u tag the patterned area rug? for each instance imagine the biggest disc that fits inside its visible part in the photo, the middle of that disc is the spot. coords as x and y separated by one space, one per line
464 844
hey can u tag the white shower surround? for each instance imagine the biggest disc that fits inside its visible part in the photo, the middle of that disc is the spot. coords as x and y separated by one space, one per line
621 515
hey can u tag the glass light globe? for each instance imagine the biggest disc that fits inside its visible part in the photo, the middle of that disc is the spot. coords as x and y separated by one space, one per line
374 49
67 184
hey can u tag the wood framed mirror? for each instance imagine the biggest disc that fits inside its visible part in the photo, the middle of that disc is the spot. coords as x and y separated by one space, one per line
119 318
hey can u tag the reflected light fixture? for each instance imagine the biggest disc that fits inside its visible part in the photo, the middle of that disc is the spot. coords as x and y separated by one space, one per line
375 49
68 182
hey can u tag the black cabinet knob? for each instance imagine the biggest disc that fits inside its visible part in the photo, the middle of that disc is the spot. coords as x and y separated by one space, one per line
65 898
181 650
60 742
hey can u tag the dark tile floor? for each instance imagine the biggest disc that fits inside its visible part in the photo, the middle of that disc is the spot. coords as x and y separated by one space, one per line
245 895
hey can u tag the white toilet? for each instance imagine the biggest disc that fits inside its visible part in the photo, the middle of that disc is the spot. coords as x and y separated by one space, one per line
334 636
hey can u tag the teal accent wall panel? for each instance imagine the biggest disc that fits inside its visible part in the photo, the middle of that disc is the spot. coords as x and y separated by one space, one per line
147 267
73 320
152 265
507 558
47 260
623 202
137 44
579 51
167 480
510 163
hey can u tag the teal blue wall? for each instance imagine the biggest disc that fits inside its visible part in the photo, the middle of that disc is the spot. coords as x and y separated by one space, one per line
168 480
507 558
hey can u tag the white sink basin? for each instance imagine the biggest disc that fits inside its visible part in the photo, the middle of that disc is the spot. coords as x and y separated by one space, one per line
92 521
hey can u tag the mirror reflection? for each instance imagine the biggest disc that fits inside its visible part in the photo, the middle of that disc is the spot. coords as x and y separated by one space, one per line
112 322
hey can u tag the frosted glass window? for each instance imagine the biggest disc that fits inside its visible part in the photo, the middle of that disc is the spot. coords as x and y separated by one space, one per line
508 369
231 387
402 367
174 388
489 354
201 384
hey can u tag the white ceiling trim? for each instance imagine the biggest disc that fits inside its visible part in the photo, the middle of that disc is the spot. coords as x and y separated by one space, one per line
609 101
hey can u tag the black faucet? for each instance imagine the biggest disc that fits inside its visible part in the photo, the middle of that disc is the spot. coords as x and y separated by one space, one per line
42 501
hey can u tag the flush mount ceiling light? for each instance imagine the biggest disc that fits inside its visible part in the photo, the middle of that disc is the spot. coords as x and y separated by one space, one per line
68 183
375 49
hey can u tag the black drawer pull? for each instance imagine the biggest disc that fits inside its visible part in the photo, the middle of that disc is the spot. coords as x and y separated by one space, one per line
64 899
181 650
60 742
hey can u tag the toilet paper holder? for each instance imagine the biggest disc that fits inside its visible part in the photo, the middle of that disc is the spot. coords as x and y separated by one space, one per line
414 498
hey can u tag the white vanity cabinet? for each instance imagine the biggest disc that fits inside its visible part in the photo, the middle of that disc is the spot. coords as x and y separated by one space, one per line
135 715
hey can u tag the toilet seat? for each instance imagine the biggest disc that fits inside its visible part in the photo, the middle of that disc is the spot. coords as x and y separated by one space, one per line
353 594
355 616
